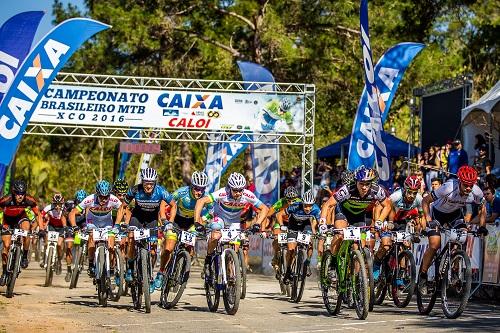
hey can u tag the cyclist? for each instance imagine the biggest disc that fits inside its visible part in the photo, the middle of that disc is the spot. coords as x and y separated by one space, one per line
446 210
186 198
99 207
351 203
151 200
53 219
228 202
291 197
15 208
303 216
406 205
120 188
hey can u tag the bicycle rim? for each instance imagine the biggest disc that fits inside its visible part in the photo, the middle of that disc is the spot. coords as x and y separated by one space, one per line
13 275
426 301
174 285
243 271
212 293
329 284
145 279
77 266
456 285
371 282
359 284
49 270
403 285
116 290
232 290
102 292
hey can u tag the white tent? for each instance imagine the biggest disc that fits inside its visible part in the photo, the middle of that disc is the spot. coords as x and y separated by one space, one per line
480 117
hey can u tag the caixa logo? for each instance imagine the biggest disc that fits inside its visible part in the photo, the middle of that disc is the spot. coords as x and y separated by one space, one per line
31 84
190 101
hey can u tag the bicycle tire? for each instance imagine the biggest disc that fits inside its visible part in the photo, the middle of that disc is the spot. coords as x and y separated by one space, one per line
301 275
212 292
360 295
332 298
466 289
243 270
423 308
15 269
102 292
409 260
49 270
231 293
380 287
179 280
117 291
371 281
285 288
77 267
145 279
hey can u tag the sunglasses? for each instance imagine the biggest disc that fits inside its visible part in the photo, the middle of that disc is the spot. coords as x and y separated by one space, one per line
237 190
199 189
365 184
148 183
411 192
103 197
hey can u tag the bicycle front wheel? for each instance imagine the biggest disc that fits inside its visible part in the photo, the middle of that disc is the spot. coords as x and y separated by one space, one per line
329 284
145 279
49 270
359 284
243 270
371 282
173 286
285 288
77 266
212 292
456 285
232 290
102 292
403 284
16 262
118 280
300 275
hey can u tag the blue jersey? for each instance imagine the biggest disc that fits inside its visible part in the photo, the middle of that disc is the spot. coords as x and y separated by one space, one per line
297 215
147 207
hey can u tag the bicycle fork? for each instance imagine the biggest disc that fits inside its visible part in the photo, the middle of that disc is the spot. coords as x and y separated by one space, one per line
106 258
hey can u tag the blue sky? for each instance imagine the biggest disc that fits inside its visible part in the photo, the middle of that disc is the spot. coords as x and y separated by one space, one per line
9 8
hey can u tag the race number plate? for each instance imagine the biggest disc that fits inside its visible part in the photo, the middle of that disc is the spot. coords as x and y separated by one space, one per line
229 235
52 236
457 235
303 238
100 235
188 238
283 238
403 236
84 236
352 233
141 234
18 233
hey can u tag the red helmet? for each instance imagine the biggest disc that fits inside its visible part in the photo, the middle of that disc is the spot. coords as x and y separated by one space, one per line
412 183
467 175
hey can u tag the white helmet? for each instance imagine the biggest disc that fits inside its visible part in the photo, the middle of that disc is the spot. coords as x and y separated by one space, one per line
236 181
308 198
199 179
149 175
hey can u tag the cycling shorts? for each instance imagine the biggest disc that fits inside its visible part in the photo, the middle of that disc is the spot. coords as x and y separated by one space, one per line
452 220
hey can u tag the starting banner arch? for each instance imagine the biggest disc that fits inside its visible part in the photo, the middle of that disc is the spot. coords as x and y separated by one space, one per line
189 110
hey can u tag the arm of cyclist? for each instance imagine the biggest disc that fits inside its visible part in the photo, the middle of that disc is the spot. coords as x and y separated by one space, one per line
262 215
331 203
426 204
200 203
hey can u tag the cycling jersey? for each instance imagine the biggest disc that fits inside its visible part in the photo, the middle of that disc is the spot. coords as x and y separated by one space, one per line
147 206
185 202
354 208
14 212
284 203
298 218
54 216
98 215
403 209
447 198
229 209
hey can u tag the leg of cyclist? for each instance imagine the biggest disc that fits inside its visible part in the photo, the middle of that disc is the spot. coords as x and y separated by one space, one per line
340 222
112 256
91 255
60 253
290 253
276 228
213 239
168 247
130 257
69 257
25 225
5 252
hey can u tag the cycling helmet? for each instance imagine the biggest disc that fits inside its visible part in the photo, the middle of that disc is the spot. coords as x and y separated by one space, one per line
377 177
347 177
80 195
236 181
103 188
149 174
364 174
467 175
120 186
69 205
19 187
308 198
412 183
291 193
285 104
199 179
58 199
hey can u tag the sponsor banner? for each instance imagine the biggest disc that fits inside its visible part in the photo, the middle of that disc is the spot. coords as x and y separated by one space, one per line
103 106
491 263
34 76
373 128
16 37
265 159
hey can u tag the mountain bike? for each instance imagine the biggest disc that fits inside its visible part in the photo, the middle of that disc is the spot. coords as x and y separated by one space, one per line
14 258
224 274
344 275
144 241
298 266
450 273
80 244
397 271
177 272
51 256
281 258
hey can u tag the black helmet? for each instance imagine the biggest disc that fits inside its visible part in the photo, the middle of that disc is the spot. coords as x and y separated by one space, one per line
19 187
120 186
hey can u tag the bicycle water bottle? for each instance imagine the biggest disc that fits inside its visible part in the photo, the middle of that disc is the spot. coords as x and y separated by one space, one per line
29 214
